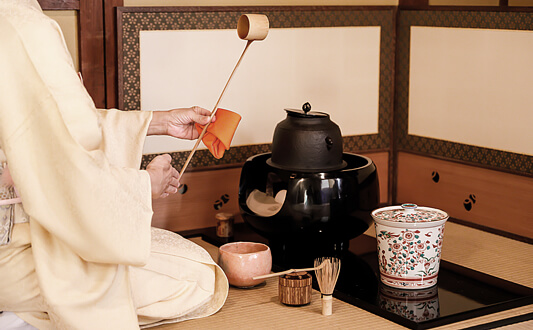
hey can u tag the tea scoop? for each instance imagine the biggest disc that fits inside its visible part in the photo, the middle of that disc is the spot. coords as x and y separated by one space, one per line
322 265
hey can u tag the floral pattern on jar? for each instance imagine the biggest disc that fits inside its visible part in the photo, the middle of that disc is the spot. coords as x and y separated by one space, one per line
409 257
409 240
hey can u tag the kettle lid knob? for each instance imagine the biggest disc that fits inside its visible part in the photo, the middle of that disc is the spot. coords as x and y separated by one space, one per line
306 107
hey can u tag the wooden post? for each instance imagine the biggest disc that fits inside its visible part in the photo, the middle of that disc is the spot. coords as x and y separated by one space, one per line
92 50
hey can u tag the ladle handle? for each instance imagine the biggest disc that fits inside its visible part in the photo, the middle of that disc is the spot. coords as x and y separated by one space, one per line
288 272
248 43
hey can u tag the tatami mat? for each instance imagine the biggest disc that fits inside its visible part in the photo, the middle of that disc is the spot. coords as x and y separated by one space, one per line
259 308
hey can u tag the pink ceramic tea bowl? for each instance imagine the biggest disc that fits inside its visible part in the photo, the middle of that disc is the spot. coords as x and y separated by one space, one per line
241 261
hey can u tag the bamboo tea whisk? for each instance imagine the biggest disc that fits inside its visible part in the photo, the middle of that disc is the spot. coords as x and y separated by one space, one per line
327 279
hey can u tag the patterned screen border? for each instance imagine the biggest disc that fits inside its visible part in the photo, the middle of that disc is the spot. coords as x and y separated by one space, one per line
500 160
132 20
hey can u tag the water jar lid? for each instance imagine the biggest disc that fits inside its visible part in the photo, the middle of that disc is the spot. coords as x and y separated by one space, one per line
409 214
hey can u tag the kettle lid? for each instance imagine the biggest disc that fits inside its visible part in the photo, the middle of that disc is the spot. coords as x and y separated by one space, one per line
306 112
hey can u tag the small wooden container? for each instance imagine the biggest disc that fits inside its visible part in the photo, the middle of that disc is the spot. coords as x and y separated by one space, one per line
224 224
295 289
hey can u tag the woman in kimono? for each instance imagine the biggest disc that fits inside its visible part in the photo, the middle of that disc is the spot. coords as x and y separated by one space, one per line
78 251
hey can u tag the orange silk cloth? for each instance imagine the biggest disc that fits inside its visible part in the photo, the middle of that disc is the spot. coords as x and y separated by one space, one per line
219 134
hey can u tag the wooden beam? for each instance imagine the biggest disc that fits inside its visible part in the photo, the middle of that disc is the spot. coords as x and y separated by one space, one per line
412 4
92 49
60 4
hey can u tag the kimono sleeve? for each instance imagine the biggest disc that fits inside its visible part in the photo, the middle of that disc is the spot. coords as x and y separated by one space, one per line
100 210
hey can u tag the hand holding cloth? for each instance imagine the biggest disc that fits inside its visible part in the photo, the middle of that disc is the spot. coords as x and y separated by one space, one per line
219 134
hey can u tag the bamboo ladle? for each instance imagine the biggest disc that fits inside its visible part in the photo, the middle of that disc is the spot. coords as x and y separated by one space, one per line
250 27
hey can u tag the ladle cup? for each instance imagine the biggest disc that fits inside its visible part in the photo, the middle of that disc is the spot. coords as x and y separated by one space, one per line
252 27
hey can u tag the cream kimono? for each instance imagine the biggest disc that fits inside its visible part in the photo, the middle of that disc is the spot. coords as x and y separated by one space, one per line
87 258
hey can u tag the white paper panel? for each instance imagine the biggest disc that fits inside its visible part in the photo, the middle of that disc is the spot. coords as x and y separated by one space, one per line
335 69
472 86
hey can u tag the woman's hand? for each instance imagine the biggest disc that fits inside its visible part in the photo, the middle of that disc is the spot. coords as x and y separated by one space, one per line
179 123
163 177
